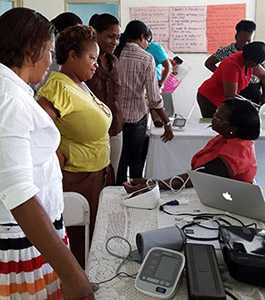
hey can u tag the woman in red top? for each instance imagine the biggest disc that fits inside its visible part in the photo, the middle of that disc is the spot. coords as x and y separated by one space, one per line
230 154
232 76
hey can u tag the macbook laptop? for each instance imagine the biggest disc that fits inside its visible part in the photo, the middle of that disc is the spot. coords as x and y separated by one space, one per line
230 195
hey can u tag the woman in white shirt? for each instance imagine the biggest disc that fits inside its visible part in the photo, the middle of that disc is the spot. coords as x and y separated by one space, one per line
35 262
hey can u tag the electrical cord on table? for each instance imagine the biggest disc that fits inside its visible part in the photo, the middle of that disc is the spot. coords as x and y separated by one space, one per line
228 293
125 258
198 218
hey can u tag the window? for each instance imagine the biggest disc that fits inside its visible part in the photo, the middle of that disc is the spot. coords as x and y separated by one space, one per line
85 9
8 4
5 5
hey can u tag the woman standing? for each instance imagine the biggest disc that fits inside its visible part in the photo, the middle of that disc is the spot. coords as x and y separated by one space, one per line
82 120
33 254
231 77
136 68
105 83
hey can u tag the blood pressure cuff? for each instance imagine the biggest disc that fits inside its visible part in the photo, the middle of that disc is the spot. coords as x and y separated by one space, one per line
169 237
243 250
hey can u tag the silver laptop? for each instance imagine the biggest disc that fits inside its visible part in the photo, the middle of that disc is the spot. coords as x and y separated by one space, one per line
230 195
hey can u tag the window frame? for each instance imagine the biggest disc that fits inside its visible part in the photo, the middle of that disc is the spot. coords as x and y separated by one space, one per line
117 2
66 2
17 3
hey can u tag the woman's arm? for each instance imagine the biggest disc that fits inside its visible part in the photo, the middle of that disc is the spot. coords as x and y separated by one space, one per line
216 167
211 62
259 71
168 133
165 72
230 89
156 102
49 108
40 231
54 114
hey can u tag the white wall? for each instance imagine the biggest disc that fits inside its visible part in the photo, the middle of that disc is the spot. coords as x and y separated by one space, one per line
185 94
49 8
260 15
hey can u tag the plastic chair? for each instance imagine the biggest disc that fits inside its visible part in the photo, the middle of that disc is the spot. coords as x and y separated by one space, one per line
76 213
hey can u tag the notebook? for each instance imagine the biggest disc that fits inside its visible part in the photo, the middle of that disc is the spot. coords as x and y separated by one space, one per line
230 195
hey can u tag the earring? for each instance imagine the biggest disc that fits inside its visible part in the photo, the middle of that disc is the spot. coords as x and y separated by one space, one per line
231 132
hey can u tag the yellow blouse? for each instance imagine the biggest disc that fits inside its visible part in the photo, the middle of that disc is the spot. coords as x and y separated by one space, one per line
84 123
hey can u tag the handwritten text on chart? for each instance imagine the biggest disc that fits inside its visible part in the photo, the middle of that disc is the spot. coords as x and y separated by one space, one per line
191 28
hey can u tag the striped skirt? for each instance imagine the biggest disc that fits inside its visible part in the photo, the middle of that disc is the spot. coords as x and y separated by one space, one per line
24 273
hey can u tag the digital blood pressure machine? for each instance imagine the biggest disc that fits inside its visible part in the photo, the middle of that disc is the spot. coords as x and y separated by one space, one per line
160 272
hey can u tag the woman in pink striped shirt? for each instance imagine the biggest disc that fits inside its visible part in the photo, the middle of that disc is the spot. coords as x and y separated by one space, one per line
136 68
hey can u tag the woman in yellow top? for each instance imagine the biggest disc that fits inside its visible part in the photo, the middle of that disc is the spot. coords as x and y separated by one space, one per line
82 120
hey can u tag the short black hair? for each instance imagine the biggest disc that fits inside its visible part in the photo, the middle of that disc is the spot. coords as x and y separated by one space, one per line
73 38
255 52
244 117
65 20
103 22
246 25
23 32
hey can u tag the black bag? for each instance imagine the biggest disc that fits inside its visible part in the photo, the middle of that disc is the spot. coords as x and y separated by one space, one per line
243 250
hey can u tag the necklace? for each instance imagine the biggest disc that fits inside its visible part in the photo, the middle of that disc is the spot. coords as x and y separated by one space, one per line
100 104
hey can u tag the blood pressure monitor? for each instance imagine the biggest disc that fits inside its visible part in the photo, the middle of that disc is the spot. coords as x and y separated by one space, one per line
159 273
178 122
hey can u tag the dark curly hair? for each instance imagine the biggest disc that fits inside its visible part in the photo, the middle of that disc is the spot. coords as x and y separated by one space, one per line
246 25
73 38
23 33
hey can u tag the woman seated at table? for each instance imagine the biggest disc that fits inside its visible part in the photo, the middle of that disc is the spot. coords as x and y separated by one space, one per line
231 77
230 154
82 120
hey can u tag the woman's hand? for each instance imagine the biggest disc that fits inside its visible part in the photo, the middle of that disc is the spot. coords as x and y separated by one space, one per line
40 231
134 185
168 134
77 288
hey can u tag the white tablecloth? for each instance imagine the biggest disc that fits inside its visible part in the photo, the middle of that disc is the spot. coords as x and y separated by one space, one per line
114 219
165 160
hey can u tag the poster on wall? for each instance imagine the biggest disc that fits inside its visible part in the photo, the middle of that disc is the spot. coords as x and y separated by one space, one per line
187 29
221 22
157 18
191 28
